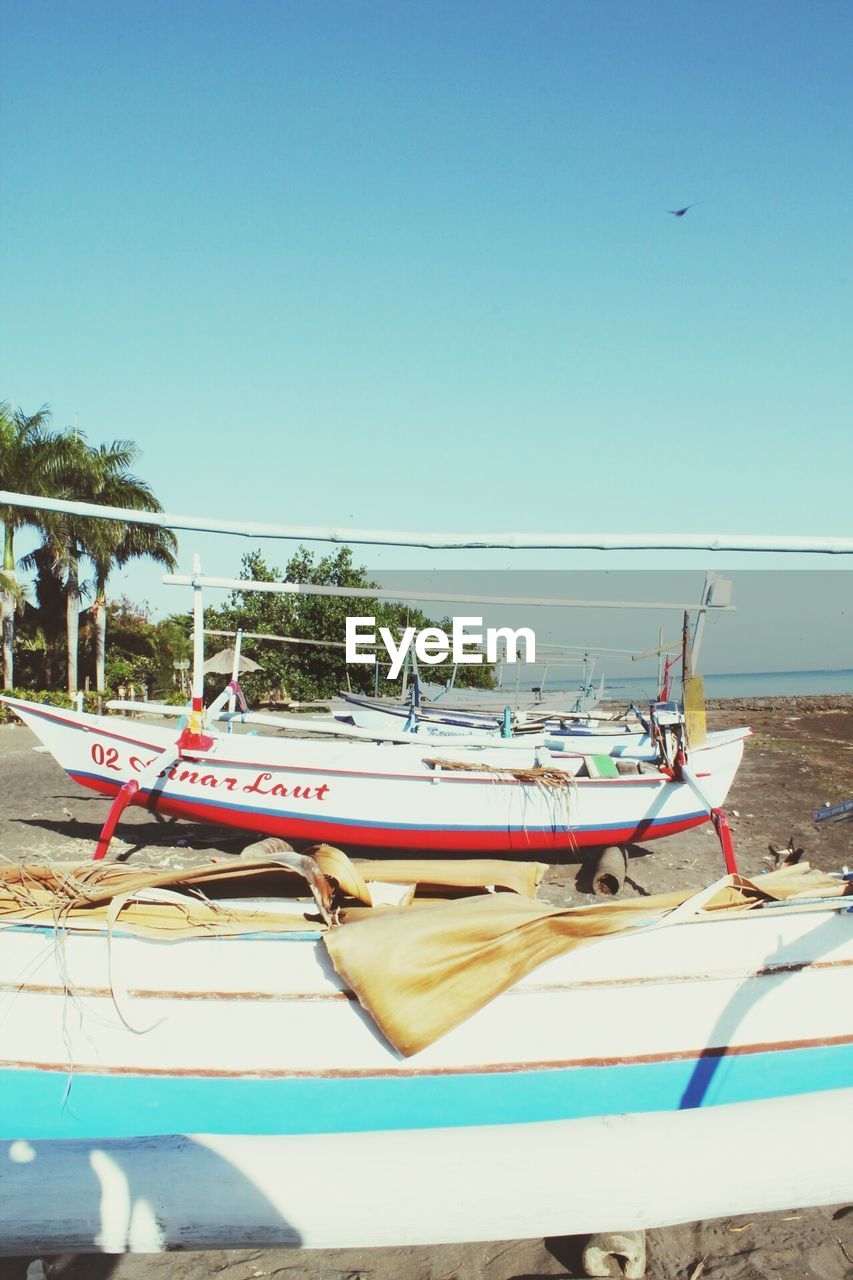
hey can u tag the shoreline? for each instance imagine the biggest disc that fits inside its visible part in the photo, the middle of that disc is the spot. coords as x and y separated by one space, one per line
770 702
781 701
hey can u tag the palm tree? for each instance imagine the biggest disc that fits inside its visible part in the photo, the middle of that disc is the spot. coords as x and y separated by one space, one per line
42 628
113 545
27 464
65 534
101 475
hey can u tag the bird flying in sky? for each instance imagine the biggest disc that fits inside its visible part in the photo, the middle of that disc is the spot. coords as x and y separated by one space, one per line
679 213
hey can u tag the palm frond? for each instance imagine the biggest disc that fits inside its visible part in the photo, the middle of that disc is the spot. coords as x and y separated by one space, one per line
17 591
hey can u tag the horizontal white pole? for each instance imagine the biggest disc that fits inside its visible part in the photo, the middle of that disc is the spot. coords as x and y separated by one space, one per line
402 593
262 635
588 650
773 542
558 655
653 653
152 708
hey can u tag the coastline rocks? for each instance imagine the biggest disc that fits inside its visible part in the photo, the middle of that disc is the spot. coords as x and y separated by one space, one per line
785 702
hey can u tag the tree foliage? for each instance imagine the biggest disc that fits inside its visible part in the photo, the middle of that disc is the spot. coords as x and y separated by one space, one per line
37 460
304 672
28 462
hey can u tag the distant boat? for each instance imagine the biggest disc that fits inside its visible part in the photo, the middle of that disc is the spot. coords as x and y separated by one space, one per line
455 710
531 704
374 712
622 739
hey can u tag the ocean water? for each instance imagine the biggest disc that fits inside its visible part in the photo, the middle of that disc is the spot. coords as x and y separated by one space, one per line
741 684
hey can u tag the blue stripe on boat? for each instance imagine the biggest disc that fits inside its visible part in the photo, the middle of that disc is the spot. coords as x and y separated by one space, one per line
198 802
51 1104
260 935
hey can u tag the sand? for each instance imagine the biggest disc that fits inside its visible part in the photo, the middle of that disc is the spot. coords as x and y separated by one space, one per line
799 759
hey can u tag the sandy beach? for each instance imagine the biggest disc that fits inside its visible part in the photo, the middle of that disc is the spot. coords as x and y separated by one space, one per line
799 759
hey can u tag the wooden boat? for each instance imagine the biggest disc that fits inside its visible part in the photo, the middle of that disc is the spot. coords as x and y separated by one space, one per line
226 1086
483 708
370 713
621 739
385 795
527 704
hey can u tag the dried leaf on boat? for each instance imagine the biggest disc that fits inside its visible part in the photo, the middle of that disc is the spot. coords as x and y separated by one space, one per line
420 974
180 903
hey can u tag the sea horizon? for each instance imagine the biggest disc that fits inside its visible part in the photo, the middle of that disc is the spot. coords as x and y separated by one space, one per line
728 684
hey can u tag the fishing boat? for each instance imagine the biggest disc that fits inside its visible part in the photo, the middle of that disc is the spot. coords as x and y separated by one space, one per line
628 740
373 712
187 1064
387 795
528 704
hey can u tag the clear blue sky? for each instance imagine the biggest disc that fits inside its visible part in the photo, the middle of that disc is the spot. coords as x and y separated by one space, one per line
780 621
407 264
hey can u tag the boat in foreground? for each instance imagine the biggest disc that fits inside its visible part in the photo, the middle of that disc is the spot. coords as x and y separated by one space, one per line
226 1086
388 795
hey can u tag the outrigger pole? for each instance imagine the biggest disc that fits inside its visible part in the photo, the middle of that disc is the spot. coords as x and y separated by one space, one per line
772 543
416 593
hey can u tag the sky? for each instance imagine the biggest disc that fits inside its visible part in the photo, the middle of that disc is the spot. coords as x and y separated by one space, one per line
413 266
774 620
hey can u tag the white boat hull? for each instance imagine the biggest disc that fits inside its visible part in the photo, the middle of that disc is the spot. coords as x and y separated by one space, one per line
215 1091
619 1173
382 795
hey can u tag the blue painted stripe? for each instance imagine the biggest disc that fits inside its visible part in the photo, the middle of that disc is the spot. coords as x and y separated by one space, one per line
34 1104
202 802
257 935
